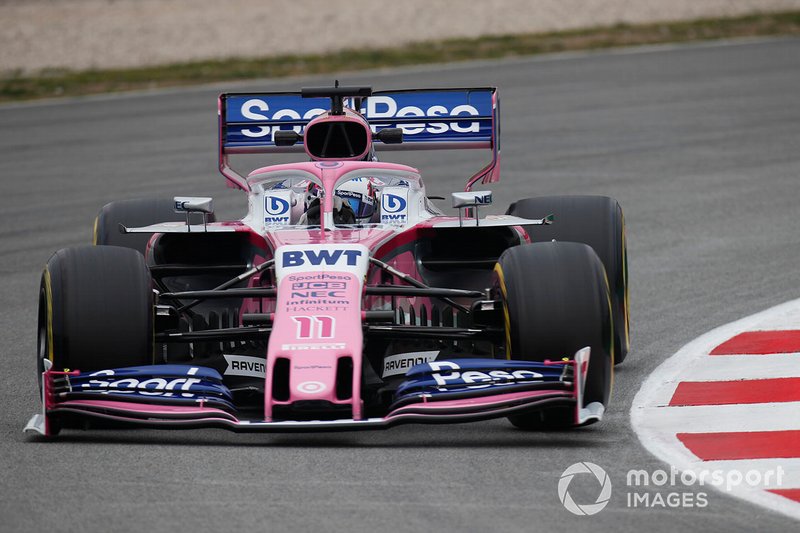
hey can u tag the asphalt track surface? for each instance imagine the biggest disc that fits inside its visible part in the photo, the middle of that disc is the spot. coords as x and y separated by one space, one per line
700 144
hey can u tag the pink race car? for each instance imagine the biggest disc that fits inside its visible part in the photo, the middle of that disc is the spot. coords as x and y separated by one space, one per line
345 299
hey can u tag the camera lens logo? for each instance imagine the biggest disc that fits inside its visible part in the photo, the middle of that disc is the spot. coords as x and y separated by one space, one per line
393 203
276 206
311 387
589 508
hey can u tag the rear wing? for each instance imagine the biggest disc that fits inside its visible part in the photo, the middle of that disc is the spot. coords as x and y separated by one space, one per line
431 119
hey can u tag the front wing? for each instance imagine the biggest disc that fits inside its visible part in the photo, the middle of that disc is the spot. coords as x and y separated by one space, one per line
183 396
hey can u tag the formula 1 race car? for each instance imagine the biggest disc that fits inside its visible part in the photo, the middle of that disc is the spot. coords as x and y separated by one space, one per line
345 299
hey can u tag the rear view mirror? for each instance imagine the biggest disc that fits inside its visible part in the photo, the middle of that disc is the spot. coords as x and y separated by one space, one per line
192 204
286 138
389 136
472 199
467 201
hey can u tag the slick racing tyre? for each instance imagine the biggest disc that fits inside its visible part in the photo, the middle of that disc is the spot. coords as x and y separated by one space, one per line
95 309
556 301
135 213
598 222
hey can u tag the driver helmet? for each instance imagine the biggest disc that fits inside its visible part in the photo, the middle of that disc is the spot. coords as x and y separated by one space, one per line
359 194
343 214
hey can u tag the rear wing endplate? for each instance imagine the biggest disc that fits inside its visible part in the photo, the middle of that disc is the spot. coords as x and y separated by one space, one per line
431 119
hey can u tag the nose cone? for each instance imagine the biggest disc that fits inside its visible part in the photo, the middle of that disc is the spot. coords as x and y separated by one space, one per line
316 344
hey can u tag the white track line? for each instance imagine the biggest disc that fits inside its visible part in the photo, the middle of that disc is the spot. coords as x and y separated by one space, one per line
656 425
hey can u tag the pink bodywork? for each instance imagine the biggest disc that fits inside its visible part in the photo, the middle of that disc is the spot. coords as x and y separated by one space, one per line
313 371
334 333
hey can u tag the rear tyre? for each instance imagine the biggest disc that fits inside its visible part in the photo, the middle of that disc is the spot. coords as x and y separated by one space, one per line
95 309
556 301
597 221
135 213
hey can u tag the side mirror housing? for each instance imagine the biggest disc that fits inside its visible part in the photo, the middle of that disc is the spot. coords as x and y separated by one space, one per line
193 204
390 136
286 138
472 198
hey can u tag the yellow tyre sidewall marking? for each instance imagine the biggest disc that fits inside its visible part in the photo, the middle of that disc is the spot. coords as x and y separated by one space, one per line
48 294
499 271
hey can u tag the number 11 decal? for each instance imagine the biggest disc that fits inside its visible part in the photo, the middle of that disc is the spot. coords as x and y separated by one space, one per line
314 327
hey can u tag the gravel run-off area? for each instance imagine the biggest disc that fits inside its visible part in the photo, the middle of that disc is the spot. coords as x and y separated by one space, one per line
85 34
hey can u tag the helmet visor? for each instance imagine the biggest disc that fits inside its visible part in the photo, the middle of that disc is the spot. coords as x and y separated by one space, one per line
363 206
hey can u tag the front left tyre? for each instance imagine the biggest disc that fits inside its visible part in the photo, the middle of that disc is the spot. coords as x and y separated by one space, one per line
597 221
556 301
95 310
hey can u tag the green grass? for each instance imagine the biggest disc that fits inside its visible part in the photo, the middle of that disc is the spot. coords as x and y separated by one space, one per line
53 83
